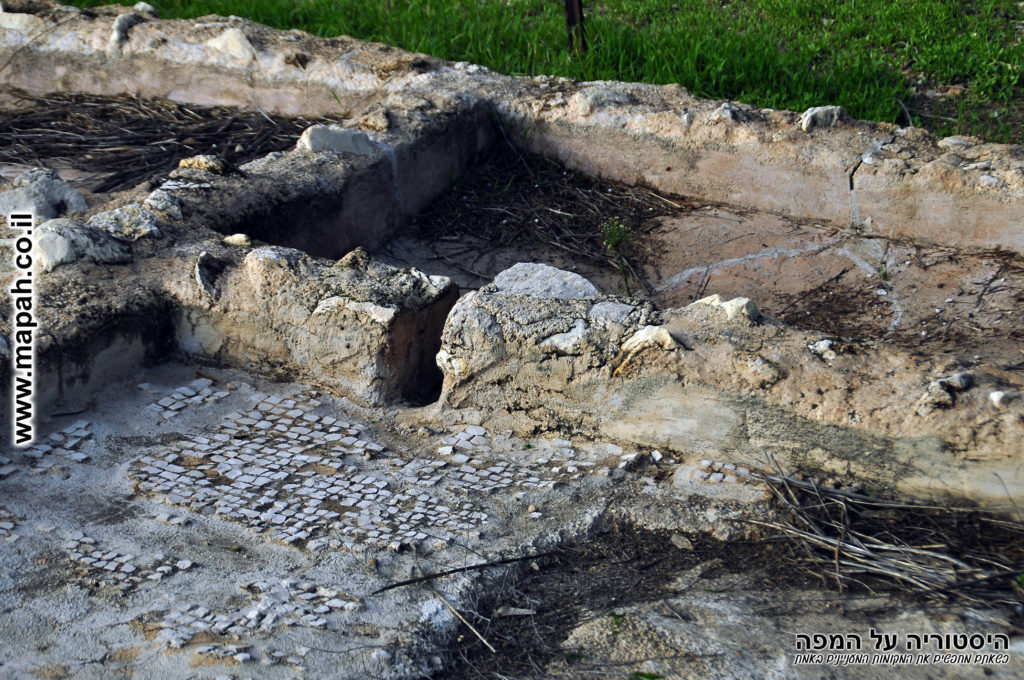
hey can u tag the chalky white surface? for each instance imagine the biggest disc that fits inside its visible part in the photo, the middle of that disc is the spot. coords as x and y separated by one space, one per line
213 516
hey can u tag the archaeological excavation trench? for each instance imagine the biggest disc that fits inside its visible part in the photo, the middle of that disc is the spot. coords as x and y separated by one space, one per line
469 319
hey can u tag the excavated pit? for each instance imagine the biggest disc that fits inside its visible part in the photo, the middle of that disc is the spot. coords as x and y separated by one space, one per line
513 207
324 356
811 275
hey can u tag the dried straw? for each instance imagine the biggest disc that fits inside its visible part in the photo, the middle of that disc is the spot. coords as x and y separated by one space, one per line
131 139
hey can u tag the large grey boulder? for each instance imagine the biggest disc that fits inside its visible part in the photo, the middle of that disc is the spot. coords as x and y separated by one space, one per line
532 316
63 240
43 193
128 223
543 281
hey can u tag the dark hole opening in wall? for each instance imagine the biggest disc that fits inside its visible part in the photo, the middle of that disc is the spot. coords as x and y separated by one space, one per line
425 387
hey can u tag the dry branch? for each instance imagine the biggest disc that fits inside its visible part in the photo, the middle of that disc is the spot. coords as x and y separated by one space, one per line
131 139
926 549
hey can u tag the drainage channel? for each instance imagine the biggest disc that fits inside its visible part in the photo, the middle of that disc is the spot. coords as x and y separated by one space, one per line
518 207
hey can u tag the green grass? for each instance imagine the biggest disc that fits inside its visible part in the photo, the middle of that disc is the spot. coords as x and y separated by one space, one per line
615 236
865 55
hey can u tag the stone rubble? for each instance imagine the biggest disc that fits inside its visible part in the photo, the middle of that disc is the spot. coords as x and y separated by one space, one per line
822 116
43 193
62 241
737 307
110 569
164 202
318 138
66 443
128 223
278 603
712 471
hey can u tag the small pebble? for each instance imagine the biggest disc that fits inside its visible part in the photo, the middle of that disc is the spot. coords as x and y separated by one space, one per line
682 542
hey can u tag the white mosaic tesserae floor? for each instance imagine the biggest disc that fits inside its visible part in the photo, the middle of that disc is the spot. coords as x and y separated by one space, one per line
239 521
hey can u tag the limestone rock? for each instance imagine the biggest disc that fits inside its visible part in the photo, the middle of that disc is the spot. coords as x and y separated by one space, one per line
473 339
593 98
543 281
822 116
823 348
650 336
270 268
335 138
727 112
119 33
756 370
614 312
570 342
128 223
165 202
207 163
17 21
241 240
957 142
958 382
1001 398
234 43
741 307
43 193
941 393
62 241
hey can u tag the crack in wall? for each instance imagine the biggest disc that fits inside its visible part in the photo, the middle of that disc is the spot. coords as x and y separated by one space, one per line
866 157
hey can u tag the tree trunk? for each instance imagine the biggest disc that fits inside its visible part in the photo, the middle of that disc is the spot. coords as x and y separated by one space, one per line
574 25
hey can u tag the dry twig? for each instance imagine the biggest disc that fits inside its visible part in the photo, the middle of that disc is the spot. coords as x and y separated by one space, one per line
843 534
